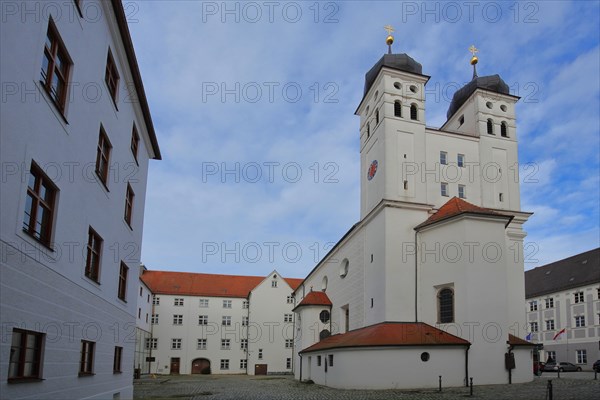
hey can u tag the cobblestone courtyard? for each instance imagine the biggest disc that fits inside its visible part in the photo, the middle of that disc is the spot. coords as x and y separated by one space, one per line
219 387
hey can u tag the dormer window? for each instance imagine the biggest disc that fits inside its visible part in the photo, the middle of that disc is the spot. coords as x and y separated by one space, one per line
490 127
414 114
397 109
504 129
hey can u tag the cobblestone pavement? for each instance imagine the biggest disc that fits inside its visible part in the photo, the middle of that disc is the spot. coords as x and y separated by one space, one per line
223 387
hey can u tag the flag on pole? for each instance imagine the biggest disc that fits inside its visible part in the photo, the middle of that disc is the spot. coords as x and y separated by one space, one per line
528 337
563 330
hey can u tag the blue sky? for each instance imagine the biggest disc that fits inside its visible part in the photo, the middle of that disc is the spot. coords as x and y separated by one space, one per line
253 103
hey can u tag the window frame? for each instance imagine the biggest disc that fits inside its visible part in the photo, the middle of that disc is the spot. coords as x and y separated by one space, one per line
122 288
550 326
443 158
225 344
227 303
56 51
398 109
129 199
504 129
154 319
135 143
443 308
288 317
201 344
549 302
533 305
581 356
177 319
460 160
202 320
444 189
176 343
414 112
289 343
463 189
103 153
112 78
534 326
117 360
490 126
22 346
579 297
224 365
226 320
579 321
178 301
86 359
94 255
47 203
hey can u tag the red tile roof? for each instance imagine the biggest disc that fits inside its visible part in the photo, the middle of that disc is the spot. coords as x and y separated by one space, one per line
515 341
315 299
195 284
389 334
456 206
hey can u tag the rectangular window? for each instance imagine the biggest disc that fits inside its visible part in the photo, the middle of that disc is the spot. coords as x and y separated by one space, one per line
550 302
129 204
25 355
287 317
94 250
501 197
274 284
135 143
444 189
123 281
177 319
117 359
260 354
201 344
103 156
225 344
56 66
175 344
226 303
243 364
550 325
318 361
551 355
86 362
155 300
578 297
39 206
579 321
203 303
462 191
245 304
288 363
152 343
533 306
330 356
460 160
443 158
111 77
581 356
534 326
178 302
224 364
290 299
202 319
244 321
226 321
289 343
244 344
154 320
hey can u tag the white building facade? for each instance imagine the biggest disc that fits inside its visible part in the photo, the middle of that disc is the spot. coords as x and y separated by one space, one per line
143 327
440 220
220 324
75 153
563 309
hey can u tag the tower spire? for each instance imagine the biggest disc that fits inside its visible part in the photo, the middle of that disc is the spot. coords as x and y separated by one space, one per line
390 39
474 59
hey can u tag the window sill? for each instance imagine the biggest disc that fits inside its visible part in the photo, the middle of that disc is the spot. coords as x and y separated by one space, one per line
84 374
23 380
117 372
104 184
38 240
54 103
92 280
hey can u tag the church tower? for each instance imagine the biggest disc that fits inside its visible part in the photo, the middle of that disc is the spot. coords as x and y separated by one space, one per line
392 129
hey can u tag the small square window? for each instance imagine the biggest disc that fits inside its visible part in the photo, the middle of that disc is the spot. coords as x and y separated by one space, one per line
154 319
289 343
201 344
290 299
260 354
226 303
578 297
203 303
178 301
288 363
226 321
550 302
444 189
175 344
225 344
224 364
460 160
178 319
443 158
462 191
202 319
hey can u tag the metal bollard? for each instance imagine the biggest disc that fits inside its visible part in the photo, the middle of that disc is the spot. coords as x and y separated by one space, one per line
558 372
595 375
440 383
549 393
471 387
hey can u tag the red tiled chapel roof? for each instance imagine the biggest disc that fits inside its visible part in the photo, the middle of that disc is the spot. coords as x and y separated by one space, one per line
456 206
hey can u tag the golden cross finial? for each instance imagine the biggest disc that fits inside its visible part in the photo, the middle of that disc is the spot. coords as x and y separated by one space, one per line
389 29
473 50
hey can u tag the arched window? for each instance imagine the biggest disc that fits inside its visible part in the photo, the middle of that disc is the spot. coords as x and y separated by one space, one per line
446 305
490 127
368 130
397 109
376 116
504 129
414 112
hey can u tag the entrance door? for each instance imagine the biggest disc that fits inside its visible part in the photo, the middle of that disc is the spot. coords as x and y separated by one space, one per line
175 366
260 369
201 366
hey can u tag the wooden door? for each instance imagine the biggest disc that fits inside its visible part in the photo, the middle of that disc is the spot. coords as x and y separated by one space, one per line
175 366
201 366
260 369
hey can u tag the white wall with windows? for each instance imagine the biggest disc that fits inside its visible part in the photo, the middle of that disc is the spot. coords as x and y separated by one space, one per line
70 235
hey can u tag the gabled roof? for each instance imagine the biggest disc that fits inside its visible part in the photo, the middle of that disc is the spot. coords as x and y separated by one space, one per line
314 299
579 270
515 341
389 334
455 207
211 285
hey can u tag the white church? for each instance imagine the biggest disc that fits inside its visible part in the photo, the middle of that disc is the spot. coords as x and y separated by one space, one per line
429 284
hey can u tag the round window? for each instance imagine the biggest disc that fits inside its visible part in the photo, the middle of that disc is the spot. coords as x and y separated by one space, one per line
324 316
489 105
397 85
413 88
503 107
425 356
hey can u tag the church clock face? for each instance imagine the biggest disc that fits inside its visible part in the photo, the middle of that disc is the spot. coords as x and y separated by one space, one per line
372 170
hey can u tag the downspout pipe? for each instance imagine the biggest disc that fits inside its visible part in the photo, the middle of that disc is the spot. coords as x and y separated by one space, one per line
416 279
467 365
